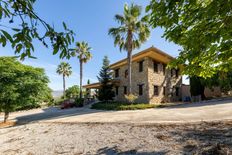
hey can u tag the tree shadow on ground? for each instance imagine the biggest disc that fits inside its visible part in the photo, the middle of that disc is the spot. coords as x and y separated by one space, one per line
53 113
206 138
116 151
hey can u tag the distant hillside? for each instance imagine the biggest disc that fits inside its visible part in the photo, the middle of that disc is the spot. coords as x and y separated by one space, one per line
57 93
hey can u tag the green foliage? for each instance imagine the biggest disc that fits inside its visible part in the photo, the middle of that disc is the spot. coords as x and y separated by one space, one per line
72 92
58 101
121 106
131 98
82 52
64 69
21 85
20 35
79 102
131 33
105 92
197 86
204 30
221 79
133 30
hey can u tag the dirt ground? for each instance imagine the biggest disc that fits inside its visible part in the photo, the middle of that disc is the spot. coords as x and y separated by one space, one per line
49 138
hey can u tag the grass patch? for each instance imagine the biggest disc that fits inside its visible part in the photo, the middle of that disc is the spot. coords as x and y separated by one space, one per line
122 106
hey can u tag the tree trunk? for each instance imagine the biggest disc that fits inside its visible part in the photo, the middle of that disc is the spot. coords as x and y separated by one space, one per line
81 65
129 57
6 115
64 86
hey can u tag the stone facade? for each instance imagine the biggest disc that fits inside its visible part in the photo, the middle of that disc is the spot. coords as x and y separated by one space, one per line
149 79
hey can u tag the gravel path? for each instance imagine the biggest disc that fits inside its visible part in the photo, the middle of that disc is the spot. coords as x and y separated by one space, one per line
110 139
164 131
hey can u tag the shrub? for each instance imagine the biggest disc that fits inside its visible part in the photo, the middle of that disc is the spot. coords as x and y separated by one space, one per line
121 106
79 102
58 101
131 98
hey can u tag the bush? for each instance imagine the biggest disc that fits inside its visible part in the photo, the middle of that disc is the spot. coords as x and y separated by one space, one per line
122 106
58 101
131 98
27 107
79 102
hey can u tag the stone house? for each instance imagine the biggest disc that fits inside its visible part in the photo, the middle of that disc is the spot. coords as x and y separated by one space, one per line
152 82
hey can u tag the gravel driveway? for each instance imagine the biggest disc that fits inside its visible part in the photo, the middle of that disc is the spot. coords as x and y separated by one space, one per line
142 132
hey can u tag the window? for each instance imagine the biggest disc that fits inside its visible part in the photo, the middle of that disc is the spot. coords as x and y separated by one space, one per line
177 73
116 90
117 73
177 91
140 89
140 66
125 90
172 72
156 90
164 91
155 66
126 74
164 68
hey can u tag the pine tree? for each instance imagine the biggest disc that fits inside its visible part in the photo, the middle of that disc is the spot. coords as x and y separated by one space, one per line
105 92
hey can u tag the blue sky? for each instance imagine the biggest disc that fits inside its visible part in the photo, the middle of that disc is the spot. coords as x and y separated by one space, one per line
90 20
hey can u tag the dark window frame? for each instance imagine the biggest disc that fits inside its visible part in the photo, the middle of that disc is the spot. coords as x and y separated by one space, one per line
172 72
126 73
141 65
156 90
164 91
155 66
116 73
164 68
125 90
116 90
140 89
177 73
177 91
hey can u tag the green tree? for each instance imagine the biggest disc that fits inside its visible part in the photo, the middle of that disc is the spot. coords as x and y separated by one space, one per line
88 91
72 92
82 52
64 69
221 79
105 92
131 33
23 25
197 86
20 85
204 30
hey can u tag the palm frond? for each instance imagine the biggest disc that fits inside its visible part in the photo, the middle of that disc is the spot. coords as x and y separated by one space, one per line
130 21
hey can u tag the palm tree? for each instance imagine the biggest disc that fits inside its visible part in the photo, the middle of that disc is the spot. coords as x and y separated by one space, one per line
64 69
131 33
83 54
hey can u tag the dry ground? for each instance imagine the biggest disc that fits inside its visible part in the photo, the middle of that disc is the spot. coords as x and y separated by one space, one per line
47 138
167 131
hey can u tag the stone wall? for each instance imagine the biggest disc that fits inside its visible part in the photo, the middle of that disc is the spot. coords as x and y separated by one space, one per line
138 78
149 78
162 80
